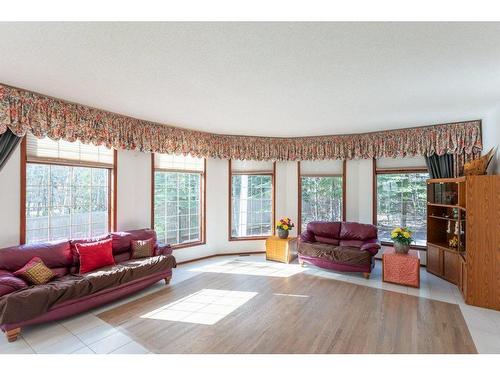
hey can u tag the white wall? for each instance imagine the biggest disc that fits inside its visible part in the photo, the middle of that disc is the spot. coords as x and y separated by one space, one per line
134 190
491 138
359 181
287 190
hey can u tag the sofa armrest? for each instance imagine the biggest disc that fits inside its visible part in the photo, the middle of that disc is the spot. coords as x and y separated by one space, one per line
307 236
371 245
10 283
163 249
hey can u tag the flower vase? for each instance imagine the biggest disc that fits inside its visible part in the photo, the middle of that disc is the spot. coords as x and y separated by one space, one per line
401 248
283 234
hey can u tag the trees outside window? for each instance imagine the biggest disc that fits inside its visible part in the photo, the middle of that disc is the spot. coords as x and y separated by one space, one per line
402 201
178 199
68 189
321 199
177 207
251 205
65 202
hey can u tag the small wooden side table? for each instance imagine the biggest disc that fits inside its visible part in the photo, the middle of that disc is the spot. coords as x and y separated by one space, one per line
281 250
403 269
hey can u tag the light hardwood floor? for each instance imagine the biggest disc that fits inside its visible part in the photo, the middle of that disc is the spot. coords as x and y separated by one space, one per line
300 313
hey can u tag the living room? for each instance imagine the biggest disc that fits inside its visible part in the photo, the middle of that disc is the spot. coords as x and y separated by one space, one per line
200 187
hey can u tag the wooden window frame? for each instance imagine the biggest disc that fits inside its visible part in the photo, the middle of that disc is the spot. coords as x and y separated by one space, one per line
299 184
112 185
377 171
203 202
230 202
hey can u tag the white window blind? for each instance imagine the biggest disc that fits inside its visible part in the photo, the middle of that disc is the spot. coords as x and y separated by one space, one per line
249 166
48 150
407 162
320 167
179 163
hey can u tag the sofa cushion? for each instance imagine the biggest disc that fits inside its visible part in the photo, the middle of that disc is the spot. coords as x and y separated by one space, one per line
335 254
10 283
372 246
84 240
122 240
55 254
324 229
35 272
142 248
66 290
95 255
119 258
60 271
307 236
357 231
143 234
354 243
327 240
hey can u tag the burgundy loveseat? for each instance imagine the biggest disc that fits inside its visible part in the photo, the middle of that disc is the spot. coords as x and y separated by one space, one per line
70 293
340 246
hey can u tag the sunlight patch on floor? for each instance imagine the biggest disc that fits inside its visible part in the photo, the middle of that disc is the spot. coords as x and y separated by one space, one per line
207 306
270 269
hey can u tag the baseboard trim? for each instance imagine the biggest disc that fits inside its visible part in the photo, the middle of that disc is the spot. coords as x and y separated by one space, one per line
220 255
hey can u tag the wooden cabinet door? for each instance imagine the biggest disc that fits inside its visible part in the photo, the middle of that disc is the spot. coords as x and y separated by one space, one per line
451 266
434 260
483 241
462 278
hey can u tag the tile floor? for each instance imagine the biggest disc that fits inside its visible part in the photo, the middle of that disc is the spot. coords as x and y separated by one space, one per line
87 334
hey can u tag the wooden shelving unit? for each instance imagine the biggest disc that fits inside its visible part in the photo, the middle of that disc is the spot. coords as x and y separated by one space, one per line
467 209
446 213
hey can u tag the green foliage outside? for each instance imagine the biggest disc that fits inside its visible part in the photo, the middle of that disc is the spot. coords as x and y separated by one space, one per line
65 202
251 205
402 202
321 199
177 206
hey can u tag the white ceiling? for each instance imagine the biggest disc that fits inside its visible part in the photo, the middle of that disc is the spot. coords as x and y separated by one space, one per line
273 79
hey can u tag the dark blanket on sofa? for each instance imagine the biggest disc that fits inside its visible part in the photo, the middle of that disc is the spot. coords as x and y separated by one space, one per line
338 254
36 300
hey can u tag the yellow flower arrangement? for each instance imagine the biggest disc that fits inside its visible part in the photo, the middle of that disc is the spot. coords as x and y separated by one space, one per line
402 235
285 224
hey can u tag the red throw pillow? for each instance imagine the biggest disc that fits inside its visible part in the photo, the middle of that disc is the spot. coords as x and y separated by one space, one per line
35 272
95 255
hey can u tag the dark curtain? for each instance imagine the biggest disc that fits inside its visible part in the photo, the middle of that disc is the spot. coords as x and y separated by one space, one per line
8 143
440 166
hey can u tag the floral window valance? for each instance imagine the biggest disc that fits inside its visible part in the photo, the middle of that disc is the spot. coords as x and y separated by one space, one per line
22 111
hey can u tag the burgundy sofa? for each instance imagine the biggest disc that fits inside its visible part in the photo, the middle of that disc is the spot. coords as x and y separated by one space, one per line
340 246
70 293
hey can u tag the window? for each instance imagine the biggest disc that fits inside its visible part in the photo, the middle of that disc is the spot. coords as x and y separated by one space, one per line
178 199
251 202
321 199
401 200
321 191
68 189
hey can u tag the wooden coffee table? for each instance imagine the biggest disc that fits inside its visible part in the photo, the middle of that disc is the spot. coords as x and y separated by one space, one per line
402 269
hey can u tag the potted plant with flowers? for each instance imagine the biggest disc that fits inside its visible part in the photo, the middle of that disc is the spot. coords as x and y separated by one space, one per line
402 239
284 226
